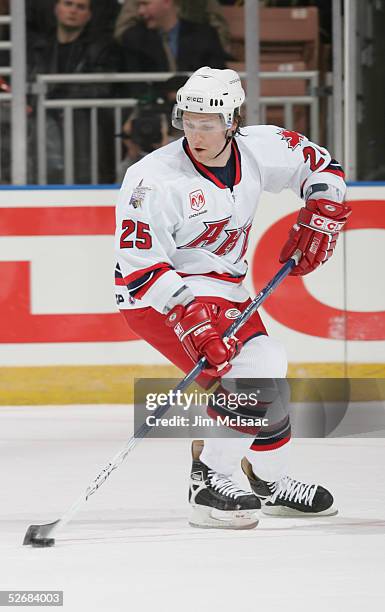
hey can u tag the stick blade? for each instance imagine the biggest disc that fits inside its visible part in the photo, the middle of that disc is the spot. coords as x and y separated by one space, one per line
38 534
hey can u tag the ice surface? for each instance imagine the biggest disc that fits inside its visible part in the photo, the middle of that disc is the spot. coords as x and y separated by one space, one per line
131 547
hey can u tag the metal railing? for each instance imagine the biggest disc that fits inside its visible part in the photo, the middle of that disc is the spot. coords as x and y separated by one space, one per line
68 106
5 45
15 124
4 97
311 100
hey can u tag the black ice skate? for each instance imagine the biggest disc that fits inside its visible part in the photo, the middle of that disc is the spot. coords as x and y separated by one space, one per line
216 501
290 497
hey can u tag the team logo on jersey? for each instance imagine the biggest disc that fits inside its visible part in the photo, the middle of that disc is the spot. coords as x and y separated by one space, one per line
138 195
197 199
292 138
232 313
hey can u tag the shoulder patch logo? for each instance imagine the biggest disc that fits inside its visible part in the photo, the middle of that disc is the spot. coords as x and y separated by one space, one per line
197 199
138 195
292 138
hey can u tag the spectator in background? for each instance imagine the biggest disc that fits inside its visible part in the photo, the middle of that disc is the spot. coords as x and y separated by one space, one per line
144 131
164 42
41 20
167 93
72 49
198 11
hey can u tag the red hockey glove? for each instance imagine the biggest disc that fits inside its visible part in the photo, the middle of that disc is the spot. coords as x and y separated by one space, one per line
315 234
195 327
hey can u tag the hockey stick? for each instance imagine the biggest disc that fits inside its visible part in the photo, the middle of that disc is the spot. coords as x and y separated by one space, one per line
41 535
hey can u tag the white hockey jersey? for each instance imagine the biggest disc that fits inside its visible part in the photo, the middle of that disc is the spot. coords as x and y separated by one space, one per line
177 224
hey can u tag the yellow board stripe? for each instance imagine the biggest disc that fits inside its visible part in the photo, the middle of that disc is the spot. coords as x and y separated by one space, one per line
336 370
75 384
114 384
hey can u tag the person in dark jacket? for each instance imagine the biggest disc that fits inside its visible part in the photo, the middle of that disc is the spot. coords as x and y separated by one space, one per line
40 17
72 49
199 11
163 42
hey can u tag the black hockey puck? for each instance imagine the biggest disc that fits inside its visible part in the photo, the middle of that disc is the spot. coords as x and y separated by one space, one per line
42 542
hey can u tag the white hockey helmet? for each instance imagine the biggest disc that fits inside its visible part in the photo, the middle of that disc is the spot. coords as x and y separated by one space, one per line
209 90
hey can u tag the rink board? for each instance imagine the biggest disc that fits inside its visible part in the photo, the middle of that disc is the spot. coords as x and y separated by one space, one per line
59 327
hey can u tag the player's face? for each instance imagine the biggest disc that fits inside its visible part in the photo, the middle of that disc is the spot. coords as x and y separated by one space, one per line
73 13
205 133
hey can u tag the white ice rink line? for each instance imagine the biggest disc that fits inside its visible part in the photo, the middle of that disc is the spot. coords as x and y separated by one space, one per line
131 548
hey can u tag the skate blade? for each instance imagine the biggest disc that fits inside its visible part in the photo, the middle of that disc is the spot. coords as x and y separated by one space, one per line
285 512
206 517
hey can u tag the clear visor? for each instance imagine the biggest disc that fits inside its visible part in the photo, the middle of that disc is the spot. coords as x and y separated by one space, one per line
193 122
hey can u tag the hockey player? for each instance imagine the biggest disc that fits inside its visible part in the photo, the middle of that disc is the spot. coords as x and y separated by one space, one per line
183 220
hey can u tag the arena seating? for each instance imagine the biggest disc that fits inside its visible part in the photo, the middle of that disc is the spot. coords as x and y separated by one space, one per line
289 41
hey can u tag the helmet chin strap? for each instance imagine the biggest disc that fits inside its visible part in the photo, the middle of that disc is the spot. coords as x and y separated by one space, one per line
228 138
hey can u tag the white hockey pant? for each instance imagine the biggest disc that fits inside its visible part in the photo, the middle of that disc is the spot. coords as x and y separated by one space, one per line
261 357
